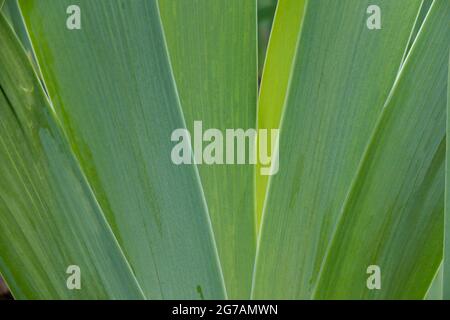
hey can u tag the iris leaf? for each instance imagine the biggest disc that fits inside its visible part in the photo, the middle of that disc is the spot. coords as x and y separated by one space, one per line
393 215
111 85
341 77
49 218
213 50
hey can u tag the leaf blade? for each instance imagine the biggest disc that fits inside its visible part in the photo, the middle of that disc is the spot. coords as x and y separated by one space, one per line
335 96
436 288
112 87
396 202
277 69
446 265
43 197
212 46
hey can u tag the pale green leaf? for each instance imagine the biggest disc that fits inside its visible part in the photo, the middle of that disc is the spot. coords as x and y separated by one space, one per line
49 219
212 46
393 215
341 78
112 87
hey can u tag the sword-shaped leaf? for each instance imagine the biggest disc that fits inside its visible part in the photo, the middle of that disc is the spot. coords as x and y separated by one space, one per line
12 14
341 77
276 74
393 215
49 218
213 50
107 71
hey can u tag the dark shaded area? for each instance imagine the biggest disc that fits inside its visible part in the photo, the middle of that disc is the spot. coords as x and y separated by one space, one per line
4 292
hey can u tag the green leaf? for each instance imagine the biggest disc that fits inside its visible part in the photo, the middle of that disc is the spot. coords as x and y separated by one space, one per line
266 10
13 15
212 46
276 74
49 218
340 79
446 265
111 85
393 215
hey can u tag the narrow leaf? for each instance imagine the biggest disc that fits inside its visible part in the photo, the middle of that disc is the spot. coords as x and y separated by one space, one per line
276 74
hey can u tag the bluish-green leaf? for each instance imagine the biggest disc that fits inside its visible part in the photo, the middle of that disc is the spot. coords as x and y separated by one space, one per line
212 46
112 87
341 77
49 218
12 13
393 216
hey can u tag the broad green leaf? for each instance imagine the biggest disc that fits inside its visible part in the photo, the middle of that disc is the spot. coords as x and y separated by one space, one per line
111 85
446 266
393 215
276 74
2 2
341 77
212 46
436 287
49 219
